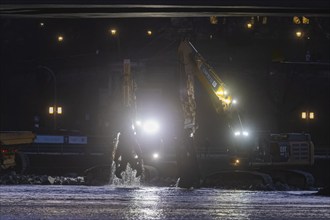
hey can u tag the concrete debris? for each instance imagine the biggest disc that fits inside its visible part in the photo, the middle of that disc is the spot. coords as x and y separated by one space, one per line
13 178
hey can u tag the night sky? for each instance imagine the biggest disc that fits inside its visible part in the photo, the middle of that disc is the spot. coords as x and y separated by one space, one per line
87 65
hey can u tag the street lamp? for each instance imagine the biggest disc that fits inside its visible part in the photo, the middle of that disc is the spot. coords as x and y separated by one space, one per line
52 110
115 34
60 38
307 115
56 110
299 34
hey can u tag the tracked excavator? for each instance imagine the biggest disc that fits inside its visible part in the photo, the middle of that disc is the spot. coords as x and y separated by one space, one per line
271 154
10 156
277 155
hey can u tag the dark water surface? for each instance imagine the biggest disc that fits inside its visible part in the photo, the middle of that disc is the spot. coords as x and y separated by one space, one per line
111 202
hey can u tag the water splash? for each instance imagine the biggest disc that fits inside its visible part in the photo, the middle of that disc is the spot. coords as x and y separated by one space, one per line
177 182
129 175
128 179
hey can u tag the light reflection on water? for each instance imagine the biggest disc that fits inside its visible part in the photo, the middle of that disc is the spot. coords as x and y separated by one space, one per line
111 202
145 205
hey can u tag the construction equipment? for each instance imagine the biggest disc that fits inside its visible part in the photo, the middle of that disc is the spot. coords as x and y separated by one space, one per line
269 150
126 149
10 157
193 65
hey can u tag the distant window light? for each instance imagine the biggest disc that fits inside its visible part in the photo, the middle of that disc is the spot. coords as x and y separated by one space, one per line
213 20
303 115
296 20
311 115
264 20
249 25
305 20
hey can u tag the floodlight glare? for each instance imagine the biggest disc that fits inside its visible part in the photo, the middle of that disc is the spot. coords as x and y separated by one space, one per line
237 133
151 126
138 123
155 156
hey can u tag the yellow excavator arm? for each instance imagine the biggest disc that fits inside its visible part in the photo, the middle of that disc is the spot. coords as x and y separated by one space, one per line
194 65
210 80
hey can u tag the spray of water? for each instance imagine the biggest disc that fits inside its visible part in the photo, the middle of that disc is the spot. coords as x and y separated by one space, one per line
129 178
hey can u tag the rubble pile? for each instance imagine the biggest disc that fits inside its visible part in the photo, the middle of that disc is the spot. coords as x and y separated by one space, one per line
13 178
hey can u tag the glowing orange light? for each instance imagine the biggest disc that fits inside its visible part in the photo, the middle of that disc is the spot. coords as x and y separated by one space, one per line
113 31
60 38
298 34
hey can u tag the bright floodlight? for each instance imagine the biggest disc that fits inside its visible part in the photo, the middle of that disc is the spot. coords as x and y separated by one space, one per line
155 156
234 101
151 126
241 133
138 123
